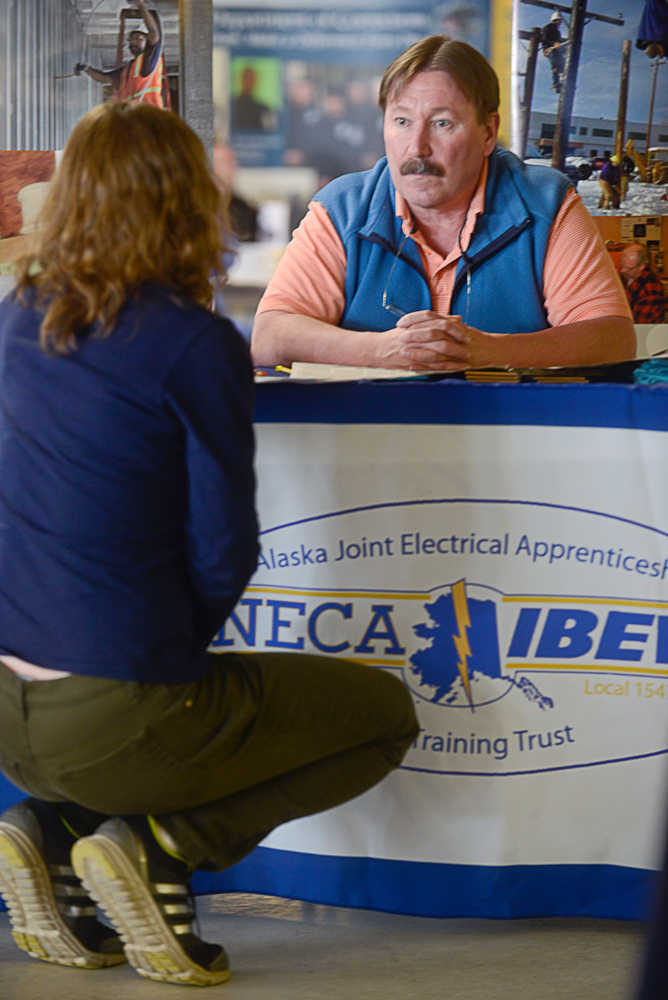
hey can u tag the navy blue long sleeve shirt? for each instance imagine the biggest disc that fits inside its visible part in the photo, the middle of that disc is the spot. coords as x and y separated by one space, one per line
127 519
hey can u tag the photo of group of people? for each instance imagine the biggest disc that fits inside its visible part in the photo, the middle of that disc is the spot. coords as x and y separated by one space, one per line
308 97
299 113
332 121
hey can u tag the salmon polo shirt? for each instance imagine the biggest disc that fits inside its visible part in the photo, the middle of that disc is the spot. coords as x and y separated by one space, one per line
579 279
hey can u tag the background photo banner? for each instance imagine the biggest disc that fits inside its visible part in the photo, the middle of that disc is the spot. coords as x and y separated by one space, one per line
301 84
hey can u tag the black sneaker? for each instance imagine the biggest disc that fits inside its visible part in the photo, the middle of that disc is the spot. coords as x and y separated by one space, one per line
52 918
145 894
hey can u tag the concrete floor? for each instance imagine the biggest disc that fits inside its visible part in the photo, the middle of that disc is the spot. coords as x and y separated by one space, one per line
288 950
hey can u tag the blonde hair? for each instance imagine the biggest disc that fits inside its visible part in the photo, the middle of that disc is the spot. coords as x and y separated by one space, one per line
133 200
470 70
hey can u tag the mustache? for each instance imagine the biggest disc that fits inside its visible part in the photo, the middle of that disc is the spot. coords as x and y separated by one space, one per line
419 165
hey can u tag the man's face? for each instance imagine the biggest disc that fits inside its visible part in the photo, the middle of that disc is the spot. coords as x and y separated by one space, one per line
137 42
629 266
334 105
248 80
300 92
434 142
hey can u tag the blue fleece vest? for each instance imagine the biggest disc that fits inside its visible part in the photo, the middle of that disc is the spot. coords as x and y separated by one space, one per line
505 257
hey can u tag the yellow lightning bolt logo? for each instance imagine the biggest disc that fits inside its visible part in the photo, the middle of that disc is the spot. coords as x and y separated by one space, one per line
461 640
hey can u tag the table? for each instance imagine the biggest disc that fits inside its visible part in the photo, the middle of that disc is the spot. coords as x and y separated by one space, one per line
504 550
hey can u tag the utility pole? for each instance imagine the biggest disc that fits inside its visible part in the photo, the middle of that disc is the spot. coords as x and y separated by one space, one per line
567 92
623 98
526 100
650 113
579 17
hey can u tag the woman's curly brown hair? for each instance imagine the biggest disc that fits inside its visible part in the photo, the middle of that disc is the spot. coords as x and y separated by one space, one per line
133 200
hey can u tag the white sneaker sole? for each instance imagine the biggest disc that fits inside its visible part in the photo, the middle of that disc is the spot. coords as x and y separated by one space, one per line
37 925
151 946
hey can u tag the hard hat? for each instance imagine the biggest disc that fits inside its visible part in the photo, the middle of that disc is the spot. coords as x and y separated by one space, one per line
556 16
614 158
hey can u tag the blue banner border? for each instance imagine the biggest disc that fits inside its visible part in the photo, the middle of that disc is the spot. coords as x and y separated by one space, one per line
635 407
440 890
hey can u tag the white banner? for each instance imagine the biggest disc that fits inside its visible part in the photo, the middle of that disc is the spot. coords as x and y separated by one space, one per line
516 579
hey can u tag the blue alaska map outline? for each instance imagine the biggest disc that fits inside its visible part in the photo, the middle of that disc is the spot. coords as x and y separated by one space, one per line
439 665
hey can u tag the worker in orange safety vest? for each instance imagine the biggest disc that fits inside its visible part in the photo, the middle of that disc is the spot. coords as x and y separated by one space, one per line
143 78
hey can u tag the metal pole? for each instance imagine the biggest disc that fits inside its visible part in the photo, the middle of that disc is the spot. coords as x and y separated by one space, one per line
195 77
527 97
650 113
623 98
121 39
567 95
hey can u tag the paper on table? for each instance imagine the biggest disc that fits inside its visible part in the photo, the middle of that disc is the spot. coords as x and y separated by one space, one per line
608 372
347 373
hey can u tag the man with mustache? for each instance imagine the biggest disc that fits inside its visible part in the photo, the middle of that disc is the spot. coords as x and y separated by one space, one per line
450 252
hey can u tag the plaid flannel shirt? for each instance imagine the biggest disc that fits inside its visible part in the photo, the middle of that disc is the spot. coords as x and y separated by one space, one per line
648 303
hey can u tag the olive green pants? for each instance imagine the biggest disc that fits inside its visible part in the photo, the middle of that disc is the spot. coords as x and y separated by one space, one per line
260 740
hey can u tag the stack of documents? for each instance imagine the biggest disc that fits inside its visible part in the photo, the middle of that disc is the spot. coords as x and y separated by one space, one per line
351 373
